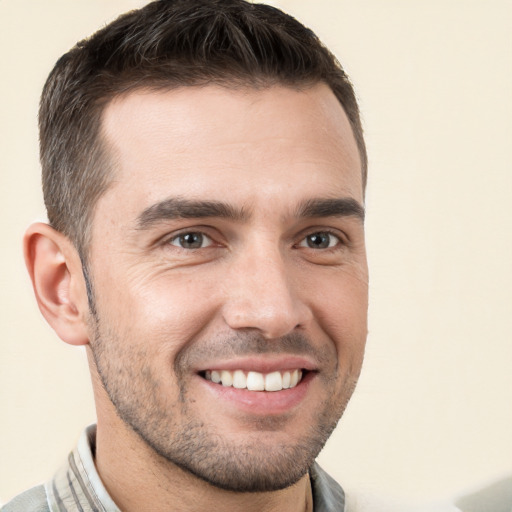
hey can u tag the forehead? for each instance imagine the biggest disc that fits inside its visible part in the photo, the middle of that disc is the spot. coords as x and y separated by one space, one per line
214 141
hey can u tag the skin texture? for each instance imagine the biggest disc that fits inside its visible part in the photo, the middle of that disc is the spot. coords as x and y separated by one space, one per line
257 291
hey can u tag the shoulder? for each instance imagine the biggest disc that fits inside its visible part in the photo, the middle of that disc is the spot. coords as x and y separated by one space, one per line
33 500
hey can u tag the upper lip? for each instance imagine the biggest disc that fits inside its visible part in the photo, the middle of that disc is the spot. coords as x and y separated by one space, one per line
260 364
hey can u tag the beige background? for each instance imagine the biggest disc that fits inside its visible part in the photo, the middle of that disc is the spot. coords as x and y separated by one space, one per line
432 414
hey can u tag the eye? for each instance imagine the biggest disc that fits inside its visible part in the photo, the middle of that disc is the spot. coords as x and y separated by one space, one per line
320 240
191 240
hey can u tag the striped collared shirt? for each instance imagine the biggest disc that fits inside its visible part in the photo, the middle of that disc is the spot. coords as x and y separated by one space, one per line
77 487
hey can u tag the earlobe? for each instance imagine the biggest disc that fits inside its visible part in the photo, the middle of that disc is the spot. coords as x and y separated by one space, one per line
56 273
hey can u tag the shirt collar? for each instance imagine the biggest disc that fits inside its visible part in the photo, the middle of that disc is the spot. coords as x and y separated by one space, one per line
328 496
77 487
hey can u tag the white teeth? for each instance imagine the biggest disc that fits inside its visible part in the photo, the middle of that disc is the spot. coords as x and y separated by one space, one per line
255 381
273 382
239 380
226 378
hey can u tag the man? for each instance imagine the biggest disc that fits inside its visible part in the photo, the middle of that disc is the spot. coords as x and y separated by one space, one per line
203 172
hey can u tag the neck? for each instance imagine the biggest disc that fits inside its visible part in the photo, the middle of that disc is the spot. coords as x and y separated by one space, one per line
141 480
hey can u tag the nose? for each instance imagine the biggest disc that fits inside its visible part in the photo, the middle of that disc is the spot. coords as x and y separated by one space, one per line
263 293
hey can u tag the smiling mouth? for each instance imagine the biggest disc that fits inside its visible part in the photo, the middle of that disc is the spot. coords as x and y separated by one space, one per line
255 381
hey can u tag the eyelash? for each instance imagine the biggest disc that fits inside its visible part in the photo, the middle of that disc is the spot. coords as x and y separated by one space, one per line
330 233
340 242
184 234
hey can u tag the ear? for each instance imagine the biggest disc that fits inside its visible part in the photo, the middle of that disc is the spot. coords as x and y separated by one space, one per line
56 272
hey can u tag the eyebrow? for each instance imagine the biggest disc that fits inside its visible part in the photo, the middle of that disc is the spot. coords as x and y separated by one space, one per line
342 207
179 208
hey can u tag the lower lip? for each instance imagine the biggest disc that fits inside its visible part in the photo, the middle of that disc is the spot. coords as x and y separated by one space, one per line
261 402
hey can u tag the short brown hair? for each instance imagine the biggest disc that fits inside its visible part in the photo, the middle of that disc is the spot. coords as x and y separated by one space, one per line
164 45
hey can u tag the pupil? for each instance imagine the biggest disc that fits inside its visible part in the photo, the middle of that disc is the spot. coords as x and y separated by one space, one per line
318 241
192 240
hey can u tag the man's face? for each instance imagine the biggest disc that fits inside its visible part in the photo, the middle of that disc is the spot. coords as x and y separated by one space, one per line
230 245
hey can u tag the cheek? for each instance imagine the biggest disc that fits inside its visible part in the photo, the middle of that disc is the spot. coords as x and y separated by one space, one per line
341 311
162 312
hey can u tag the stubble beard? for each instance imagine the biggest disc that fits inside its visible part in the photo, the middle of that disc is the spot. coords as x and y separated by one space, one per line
176 433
